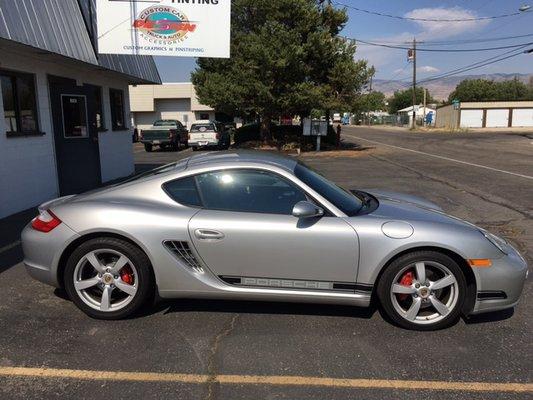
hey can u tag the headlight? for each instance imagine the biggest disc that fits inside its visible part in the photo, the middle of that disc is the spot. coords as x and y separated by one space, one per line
497 241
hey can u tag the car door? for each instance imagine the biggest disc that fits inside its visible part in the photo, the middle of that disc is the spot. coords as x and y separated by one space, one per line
246 230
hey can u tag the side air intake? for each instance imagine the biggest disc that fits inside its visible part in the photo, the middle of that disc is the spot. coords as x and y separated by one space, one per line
183 252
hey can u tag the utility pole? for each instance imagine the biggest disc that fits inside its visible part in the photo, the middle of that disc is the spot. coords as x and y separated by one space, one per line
424 108
414 83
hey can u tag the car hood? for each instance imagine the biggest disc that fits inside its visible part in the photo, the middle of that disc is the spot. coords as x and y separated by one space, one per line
406 207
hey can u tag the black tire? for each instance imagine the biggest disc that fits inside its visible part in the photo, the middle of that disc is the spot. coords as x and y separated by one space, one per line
148 147
194 148
385 283
145 286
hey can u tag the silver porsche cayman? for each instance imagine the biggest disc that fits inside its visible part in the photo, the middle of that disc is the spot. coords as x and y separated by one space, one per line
257 226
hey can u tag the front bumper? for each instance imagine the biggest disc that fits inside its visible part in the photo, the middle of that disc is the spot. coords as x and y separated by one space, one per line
499 286
42 251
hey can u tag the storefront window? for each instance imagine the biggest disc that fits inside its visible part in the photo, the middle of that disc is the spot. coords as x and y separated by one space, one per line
116 98
18 94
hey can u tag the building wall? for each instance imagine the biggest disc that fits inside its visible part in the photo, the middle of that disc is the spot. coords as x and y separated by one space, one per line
167 101
179 109
447 117
28 173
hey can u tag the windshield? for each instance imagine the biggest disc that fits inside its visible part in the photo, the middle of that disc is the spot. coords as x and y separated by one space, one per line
339 197
165 123
202 127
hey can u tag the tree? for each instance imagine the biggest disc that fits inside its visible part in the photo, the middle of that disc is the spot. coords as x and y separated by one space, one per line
487 90
286 59
404 98
373 101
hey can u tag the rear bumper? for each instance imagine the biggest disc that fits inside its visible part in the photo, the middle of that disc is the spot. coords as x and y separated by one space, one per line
42 252
499 287
156 142
203 143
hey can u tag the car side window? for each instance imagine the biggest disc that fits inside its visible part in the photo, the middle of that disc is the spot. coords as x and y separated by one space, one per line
248 191
184 191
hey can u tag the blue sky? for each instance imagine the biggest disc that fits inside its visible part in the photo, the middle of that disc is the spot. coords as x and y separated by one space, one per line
391 63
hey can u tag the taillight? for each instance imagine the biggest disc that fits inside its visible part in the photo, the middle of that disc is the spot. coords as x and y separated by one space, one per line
217 135
140 134
189 136
45 221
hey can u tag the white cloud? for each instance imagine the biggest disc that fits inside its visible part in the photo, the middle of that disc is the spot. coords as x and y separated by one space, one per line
444 29
428 69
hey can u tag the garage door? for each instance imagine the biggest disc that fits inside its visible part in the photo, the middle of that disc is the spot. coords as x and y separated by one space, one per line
497 118
523 117
471 118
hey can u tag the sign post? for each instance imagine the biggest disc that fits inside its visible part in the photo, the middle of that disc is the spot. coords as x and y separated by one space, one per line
177 28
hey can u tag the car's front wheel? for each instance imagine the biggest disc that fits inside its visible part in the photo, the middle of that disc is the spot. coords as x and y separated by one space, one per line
108 278
423 290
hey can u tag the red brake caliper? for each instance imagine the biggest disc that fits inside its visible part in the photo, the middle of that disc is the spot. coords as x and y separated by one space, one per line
407 280
126 274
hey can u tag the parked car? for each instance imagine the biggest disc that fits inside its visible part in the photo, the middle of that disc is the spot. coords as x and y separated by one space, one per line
165 133
206 133
257 226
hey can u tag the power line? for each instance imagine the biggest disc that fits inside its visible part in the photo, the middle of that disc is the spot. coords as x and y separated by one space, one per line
443 50
451 42
427 19
479 64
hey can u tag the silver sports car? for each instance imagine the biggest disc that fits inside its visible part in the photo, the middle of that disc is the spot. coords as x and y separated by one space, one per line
257 226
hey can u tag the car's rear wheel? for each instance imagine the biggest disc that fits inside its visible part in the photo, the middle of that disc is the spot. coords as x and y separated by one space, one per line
423 290
108 278
148 147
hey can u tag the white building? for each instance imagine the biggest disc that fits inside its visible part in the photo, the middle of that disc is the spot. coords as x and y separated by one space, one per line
420 111
486 114
64 108
176 101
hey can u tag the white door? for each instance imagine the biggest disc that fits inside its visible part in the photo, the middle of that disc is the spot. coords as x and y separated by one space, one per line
471 118
497 118
523 117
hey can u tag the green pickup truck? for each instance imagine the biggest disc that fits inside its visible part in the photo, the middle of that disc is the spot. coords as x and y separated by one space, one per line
165 133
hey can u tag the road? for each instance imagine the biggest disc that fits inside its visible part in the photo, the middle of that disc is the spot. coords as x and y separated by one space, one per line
185 349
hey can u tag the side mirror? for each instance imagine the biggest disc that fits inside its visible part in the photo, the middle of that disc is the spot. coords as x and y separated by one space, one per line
306 209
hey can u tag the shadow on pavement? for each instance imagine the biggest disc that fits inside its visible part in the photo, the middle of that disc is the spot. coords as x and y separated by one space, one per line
258 307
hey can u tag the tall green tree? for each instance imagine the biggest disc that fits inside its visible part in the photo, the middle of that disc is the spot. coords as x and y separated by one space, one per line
286 59
487 90
404 98
373 101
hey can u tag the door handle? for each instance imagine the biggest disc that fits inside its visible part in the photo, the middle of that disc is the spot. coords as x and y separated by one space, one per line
208 234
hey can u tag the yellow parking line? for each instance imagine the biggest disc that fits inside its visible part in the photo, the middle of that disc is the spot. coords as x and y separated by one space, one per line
265 380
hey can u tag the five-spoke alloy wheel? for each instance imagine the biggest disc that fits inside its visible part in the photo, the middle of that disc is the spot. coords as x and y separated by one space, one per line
108 278
422 290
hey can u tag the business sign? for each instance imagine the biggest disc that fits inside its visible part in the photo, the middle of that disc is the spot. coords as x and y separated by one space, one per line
315 127
178 28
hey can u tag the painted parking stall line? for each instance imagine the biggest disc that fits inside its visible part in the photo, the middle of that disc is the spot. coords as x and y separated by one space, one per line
9 246
442 157
309 381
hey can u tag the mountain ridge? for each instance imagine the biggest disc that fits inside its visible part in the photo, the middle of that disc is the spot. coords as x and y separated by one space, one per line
442 87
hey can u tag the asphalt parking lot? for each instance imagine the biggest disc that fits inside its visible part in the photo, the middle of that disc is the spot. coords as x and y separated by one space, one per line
230 350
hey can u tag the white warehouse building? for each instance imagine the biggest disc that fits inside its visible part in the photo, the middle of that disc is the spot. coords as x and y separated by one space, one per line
64 108
175 101
486 114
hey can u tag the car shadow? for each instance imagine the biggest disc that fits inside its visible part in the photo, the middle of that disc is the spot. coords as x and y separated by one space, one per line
257 307
489 317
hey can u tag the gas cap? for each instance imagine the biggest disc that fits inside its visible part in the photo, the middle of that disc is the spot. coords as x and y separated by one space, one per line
397 229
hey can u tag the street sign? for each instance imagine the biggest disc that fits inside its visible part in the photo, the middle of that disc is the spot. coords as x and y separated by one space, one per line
456 104
178 28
